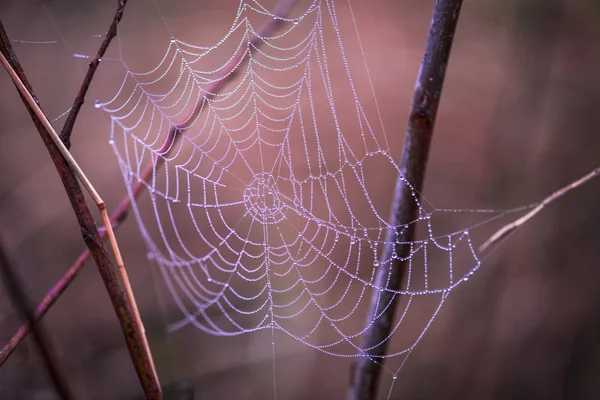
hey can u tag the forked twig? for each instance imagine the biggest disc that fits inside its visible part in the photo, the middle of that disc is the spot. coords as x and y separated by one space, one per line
15 289
91 190
69 171
67 129
511 227
120 214
419 133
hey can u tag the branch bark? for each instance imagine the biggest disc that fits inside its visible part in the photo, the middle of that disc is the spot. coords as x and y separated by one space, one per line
419 133
510 228
122 211
133 336
67 130
16 291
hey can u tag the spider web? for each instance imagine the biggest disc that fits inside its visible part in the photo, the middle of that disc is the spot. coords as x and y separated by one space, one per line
270 207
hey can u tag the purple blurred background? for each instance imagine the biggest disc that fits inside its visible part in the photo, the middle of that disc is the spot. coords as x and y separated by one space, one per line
518 120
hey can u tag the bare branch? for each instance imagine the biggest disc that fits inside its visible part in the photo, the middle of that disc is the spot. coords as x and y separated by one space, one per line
16 291
122 211
419 134
133 335
45 305
510 228
67 129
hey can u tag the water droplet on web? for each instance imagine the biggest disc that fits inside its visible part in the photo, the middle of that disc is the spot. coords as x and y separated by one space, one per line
269 197
111 142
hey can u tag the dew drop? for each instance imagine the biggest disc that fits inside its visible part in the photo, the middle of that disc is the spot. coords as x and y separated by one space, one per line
376 263
394 255
97 104
111 142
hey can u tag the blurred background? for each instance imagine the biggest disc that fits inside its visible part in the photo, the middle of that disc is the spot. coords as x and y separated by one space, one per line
518 120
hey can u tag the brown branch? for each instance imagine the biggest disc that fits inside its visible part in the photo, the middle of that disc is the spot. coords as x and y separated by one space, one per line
419 134
122 211
45 305
15 289
511 227
67 130
133 336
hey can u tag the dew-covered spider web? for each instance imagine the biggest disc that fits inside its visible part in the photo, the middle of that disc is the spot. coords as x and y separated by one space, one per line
271 186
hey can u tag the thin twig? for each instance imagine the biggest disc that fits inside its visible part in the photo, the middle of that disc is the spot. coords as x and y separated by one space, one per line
67 129
15 289
122 211
65 138
63 143
511 227
137 319
45 305
419 132
136 342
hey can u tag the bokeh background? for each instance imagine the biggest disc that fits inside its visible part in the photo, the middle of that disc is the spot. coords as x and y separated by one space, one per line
518 120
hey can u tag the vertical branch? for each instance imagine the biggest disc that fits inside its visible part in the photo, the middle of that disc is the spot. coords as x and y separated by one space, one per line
419 134
120 214
16 291
133 336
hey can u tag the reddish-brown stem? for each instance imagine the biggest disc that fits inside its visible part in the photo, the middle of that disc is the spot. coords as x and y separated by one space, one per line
133 335
419 133
121 212
67 129
506 230
15 289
